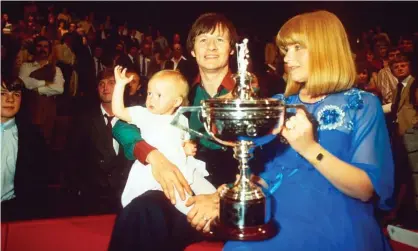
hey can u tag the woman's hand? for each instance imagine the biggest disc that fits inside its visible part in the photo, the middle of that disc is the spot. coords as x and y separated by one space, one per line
168 176
298 131
120 76
204 211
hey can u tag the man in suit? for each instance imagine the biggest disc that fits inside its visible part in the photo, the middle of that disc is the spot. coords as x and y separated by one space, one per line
402 106
180 63
97 167
23 160
404 114
97 57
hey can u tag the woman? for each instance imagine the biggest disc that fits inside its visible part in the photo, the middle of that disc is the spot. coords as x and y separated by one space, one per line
324 191
365 80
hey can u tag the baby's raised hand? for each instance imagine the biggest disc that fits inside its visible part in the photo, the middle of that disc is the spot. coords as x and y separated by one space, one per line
120 76
190 148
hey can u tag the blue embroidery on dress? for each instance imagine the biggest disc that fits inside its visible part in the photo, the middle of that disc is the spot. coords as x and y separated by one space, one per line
355 100
330 117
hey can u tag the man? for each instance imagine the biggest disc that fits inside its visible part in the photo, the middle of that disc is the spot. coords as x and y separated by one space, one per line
46 81
97 167
144 59
97 57
402 108
23 158
180 63
386 81
211 41
404 114
133 57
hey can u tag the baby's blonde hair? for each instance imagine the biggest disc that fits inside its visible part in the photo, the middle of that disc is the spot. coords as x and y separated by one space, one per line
178 79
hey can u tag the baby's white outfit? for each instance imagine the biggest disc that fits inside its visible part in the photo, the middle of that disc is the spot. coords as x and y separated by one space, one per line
157 131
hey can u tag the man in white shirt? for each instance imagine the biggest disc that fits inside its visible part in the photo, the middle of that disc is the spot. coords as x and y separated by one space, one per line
179 63
46 81
23 158
386 81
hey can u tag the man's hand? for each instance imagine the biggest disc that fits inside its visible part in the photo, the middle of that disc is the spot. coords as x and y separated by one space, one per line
204 211
168 176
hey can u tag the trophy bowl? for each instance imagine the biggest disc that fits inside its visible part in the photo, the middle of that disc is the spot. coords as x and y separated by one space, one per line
230 120
244 209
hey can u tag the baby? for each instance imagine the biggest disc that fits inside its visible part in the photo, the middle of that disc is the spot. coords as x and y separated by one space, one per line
167 90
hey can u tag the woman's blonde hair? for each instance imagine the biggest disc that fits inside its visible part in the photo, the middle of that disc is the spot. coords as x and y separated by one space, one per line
331 64
182 87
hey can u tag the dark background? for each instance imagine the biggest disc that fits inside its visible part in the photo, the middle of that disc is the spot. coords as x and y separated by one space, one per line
262 18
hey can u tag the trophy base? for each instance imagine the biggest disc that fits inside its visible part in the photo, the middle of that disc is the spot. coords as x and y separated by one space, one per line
252 233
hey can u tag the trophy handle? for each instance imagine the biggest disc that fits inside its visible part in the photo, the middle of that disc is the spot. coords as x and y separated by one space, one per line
216 139
183 109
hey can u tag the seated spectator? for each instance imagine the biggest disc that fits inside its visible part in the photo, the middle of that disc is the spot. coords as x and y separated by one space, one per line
97 168
23 158
363 80
45 80
134 93
64 16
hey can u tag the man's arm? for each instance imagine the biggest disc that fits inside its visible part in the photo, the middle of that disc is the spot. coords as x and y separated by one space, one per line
129 136
53 88
30 83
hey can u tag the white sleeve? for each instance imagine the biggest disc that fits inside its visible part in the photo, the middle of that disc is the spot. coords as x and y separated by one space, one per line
201 185
138 115
30 83
185 122
55 88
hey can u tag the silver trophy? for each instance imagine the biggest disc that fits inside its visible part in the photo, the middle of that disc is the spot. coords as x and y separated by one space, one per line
234 121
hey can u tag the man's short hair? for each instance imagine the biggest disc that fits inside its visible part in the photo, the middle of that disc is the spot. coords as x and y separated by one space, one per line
13 84
399 59
40 39
106 73
208 23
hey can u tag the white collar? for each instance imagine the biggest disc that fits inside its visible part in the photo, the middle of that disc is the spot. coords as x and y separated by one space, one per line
103 110
406 80
174 60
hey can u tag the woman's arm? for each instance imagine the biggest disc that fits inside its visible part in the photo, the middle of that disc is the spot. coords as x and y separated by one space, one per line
347 178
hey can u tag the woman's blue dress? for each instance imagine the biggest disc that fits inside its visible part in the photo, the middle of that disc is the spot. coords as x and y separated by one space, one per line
311 212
